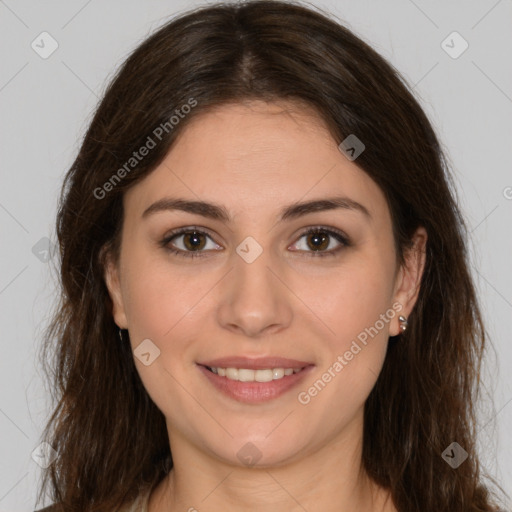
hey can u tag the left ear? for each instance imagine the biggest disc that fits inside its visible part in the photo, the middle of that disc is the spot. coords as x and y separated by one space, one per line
408 280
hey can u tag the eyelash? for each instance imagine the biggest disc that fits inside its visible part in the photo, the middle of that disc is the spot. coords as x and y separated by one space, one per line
338 235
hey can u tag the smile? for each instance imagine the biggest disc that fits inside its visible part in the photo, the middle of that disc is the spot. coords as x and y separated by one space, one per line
254 386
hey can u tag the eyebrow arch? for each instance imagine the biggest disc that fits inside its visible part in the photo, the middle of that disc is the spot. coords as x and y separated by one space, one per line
218 212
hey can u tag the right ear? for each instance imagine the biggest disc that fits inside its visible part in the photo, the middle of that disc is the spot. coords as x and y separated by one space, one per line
113 282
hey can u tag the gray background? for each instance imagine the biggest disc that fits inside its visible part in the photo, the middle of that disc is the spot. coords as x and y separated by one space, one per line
47 103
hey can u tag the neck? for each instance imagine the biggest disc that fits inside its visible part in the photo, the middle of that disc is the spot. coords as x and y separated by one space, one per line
329 478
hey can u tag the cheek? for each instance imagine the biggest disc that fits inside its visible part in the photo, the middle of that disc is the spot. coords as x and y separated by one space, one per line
158 293
162 305
358 294
358 312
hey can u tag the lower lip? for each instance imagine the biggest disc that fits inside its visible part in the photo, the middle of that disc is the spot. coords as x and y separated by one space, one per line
255 392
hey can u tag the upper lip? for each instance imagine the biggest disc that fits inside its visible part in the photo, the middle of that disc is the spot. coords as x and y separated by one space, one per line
259 363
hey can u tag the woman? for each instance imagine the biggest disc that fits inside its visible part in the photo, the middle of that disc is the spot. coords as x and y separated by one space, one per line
266 296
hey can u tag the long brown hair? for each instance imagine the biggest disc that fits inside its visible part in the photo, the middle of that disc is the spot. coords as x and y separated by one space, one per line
110 437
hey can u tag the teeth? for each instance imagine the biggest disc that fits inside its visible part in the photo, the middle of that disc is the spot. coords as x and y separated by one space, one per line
278 373
248 375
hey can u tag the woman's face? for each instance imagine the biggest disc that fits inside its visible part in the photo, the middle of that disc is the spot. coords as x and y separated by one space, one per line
259 286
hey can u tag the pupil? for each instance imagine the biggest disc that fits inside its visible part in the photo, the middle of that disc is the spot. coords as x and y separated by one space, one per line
319 240
196 240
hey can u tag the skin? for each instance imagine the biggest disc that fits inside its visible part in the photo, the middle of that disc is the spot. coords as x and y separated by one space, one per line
254 159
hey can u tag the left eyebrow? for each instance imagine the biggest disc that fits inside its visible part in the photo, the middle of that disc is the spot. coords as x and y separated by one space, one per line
218 212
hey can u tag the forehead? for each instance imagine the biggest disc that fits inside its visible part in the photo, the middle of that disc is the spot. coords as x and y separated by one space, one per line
254 158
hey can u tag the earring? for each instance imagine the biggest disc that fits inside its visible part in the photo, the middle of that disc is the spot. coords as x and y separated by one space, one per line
121 335
403 323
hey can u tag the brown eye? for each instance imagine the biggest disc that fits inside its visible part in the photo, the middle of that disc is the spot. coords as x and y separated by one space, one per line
188 242
319 239
194 240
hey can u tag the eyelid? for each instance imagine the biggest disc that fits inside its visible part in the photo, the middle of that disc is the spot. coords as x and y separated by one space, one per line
339 235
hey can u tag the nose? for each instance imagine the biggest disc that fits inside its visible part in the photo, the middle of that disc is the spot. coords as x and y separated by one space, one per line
255 300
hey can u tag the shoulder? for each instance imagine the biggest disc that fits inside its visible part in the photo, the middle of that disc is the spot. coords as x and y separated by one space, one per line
55 508
139 504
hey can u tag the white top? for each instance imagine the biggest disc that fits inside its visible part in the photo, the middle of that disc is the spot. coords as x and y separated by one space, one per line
140 504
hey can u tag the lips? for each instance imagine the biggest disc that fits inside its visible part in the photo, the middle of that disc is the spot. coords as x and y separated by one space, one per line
255 392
